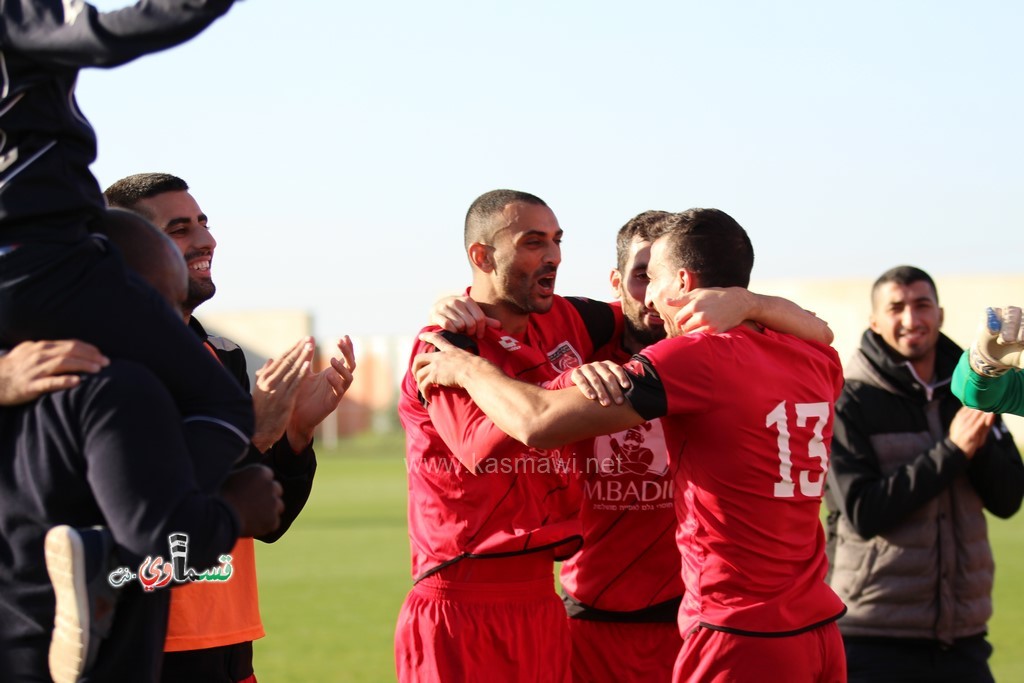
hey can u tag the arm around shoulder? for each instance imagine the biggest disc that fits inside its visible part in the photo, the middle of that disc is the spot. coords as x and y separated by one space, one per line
782 315
542 418
528 413
716 309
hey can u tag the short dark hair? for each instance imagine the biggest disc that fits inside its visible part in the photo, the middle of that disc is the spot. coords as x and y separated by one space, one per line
127 192
479 218
710 243
639 226
903 276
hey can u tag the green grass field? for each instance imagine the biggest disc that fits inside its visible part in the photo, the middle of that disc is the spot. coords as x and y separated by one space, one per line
331 589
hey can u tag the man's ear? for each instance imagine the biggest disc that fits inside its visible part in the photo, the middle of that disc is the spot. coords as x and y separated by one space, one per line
688 280
615 278
480 255
873 321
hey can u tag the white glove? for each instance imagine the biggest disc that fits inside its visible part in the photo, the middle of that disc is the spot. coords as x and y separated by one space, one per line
999 345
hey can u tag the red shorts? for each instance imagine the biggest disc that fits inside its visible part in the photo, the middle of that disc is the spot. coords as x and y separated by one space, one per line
482 631
709 656
616 652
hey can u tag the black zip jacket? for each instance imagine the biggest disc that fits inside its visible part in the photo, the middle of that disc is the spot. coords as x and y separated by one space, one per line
293 470
46 144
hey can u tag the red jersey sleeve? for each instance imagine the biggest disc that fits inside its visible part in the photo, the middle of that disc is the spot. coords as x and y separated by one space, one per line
467 432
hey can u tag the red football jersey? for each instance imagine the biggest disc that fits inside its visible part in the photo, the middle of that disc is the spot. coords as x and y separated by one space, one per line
748 427
629 560
473 490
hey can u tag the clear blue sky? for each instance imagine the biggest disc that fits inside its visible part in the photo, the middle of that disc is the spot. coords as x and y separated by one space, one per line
336 145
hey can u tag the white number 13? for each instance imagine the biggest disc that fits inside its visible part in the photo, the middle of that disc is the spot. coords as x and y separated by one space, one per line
812 488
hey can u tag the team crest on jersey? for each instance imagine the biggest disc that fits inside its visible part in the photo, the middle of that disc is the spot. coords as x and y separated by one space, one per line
638 450
564 357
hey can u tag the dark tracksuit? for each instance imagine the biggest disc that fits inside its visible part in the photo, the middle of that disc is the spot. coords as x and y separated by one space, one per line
57 281
108 452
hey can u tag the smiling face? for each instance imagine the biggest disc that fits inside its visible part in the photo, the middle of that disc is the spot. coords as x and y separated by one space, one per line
908 319
525 253
178 215
643 324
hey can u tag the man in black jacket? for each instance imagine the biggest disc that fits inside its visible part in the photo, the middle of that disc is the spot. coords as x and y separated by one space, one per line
911 472
57 280
211 627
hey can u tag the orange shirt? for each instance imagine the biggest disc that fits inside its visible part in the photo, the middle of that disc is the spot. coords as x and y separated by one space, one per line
205 614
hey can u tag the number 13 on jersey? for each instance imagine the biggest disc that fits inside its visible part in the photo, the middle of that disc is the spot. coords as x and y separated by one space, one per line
812 416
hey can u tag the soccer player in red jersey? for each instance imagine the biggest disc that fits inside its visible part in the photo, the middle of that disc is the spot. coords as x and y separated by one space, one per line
748 423
489 516
622 590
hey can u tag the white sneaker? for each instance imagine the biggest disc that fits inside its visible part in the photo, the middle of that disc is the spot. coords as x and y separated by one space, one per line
78 562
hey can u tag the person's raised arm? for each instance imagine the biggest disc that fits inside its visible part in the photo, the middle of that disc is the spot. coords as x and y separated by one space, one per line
530 414
79 35
714 310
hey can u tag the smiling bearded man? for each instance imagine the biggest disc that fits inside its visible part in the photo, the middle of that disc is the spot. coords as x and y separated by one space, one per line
211 627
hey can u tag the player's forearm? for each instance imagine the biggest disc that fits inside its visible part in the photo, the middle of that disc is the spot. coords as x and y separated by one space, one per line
1003 394
517 408
782 315
542 418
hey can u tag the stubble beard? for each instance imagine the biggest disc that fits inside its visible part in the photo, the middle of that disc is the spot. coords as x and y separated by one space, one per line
644 335
517 295
199 291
